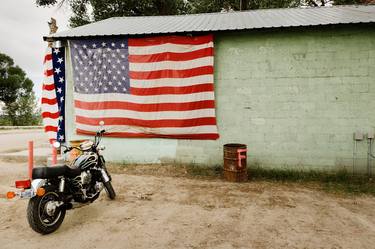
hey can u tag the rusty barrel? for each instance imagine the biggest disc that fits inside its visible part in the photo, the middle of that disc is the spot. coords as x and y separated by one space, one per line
235 162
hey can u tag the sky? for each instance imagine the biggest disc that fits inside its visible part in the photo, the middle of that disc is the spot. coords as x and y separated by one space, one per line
22 27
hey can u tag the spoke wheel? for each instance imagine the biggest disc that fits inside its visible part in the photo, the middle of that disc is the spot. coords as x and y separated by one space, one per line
43 214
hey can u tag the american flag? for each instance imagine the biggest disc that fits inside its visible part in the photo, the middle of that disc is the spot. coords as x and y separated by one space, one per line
53 94
145 87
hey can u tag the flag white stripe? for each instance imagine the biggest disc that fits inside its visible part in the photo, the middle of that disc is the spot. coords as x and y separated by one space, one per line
174 82
167 47
152 99
50 108
201 113
172 65
164 131
49 94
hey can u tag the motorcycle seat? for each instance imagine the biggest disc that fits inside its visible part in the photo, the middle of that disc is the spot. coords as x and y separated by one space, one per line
54 171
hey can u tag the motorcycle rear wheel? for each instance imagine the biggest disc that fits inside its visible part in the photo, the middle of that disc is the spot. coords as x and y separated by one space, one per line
38 217
110 191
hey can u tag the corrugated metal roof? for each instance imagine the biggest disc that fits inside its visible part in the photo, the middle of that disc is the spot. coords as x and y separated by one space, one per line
245 20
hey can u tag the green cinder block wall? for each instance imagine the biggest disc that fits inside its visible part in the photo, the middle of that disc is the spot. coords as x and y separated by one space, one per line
294 96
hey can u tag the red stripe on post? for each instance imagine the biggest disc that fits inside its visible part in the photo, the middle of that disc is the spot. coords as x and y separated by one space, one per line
49 87
119 105
49 101
159 74
50 128
171 56
162 123
48 72
47 57
179 40
53 115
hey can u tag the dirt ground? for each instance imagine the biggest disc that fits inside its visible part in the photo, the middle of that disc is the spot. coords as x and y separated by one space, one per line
178 212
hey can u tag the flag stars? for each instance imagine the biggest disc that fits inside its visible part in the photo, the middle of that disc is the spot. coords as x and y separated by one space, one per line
113 44
104 44
118 72
122 45
56 51
60 60
93 45
59 90
57 70
84 46
61 99
61 79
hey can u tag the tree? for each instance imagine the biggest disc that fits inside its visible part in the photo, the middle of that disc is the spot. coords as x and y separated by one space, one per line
16 93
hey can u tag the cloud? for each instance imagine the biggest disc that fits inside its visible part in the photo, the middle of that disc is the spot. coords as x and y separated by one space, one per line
22 26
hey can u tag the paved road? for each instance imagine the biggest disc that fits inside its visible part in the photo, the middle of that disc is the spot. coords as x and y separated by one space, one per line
16 140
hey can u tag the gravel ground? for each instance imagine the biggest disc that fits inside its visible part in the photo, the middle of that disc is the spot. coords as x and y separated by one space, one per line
178 212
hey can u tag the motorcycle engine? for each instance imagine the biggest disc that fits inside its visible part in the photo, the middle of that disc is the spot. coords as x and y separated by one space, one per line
83 187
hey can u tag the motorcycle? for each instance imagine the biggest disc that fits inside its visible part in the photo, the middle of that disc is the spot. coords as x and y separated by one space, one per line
55 189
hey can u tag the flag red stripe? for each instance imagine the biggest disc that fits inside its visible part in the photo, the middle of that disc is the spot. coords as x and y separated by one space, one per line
49 101
119 105
186 73
49 87
47 57
163 123
205 136
209 87
48 72
50 128
53 115
171 56
179 40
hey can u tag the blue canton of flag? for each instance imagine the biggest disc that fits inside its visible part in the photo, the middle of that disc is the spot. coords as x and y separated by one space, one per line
58 55
100 66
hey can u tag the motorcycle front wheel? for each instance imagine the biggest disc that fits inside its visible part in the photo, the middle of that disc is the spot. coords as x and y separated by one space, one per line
42 213
109 189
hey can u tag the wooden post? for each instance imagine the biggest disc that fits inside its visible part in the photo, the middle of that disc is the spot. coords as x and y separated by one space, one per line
31 158
54 156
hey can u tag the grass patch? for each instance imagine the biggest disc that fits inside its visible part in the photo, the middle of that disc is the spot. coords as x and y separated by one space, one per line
338 182
334 182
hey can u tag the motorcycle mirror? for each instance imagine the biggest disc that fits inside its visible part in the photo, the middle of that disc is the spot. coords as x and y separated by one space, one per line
56 144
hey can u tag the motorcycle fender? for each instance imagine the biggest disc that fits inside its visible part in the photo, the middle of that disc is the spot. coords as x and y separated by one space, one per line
37 183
